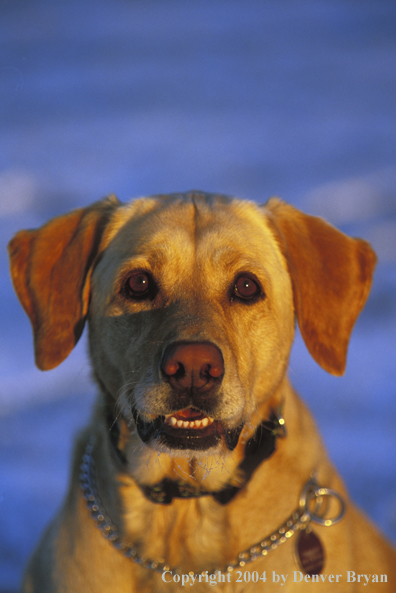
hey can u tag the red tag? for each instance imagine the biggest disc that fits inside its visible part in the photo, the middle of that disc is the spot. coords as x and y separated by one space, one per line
310 552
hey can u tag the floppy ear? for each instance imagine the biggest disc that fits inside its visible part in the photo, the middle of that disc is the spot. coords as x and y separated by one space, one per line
50 269
331 275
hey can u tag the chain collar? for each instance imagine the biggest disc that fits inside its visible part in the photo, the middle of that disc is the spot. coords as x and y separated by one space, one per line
310 509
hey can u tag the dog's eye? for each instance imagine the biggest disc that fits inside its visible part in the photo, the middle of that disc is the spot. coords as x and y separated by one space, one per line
140 285
246 288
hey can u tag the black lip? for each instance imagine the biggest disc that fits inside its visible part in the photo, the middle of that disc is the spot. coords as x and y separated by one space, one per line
232 436
185 438
147 431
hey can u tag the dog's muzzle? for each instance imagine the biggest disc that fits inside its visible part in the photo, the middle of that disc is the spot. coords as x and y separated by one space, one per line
194 370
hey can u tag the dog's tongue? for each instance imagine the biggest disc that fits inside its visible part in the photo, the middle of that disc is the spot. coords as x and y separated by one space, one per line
189 414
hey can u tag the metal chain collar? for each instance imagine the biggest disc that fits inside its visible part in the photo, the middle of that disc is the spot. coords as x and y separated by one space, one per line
298 520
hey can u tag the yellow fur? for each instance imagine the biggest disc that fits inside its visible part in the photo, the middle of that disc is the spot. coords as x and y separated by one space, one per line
194 246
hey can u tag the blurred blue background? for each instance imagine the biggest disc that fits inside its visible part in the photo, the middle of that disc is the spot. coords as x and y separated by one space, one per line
253 98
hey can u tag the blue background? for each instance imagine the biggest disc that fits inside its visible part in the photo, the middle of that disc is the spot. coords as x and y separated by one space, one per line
253 98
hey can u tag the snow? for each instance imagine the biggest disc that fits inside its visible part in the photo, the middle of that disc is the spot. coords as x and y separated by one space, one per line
293 98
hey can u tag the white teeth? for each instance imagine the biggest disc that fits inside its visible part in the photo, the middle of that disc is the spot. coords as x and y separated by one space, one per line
202 423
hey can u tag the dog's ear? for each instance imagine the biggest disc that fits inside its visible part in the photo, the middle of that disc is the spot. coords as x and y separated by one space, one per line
50 269
331 275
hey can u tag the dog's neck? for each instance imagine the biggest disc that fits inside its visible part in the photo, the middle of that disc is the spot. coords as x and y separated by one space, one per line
257 448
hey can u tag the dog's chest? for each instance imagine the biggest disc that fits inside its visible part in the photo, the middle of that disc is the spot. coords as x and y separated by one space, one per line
194 534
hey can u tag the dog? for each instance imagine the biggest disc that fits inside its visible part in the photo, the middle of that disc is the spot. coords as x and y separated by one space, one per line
201 466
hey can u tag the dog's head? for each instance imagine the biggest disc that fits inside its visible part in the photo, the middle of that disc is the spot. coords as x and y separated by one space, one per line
191 300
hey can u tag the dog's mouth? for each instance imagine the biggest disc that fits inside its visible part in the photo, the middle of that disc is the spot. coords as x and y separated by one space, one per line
189 428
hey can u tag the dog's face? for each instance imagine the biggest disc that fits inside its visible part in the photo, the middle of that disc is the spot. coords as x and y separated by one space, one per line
191 300
191 320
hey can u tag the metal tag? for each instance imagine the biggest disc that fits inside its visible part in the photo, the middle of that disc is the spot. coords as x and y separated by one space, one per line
310 553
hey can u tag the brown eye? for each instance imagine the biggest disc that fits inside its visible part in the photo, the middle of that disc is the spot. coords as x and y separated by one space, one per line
140 285
246 288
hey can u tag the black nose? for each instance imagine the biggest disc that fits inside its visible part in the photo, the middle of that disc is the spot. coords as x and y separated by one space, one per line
192 365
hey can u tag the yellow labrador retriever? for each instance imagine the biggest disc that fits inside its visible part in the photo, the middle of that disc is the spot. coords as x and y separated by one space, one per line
201 467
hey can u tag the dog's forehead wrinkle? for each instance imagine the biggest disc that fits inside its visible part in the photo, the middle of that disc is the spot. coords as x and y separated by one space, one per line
149 237
157 257
204 213
180 239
